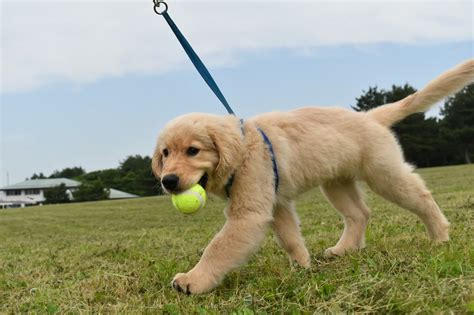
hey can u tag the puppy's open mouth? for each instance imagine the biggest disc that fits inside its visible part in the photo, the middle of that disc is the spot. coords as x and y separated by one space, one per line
203 181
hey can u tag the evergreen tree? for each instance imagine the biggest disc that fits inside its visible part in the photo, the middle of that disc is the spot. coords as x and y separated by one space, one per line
57 194
457 126
138 177
68 172
38 176
370 99
91 191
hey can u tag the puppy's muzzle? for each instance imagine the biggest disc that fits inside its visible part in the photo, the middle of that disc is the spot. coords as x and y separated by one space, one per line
170 182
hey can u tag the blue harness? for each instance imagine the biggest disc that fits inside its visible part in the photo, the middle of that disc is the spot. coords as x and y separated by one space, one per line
206 75
267 141
272 154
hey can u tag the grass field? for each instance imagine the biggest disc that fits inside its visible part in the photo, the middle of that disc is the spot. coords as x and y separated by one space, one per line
119 256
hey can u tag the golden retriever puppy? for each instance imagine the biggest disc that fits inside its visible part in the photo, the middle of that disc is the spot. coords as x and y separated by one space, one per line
261 166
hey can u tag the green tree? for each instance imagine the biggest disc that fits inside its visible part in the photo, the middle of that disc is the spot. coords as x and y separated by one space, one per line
109 177
134 163
91 191
134 175
68 172
374 97
457 126
419 137
137 176
371 98
38 176
57 194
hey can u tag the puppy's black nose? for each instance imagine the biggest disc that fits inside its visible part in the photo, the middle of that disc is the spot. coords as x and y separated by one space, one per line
170 181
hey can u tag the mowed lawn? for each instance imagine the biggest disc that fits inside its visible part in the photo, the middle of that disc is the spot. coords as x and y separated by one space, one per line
119 256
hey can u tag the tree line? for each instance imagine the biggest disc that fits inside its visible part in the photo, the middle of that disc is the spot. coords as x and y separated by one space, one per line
426 142
134 175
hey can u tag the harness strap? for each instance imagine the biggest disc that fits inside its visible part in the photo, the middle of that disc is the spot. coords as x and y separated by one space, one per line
276 175
228 185
272 153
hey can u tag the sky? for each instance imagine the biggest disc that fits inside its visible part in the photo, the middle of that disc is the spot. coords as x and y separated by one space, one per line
88 83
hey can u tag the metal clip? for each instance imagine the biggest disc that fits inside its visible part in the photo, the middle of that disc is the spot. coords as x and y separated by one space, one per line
156 7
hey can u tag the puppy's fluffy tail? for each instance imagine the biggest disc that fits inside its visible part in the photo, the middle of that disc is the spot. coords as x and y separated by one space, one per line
445 85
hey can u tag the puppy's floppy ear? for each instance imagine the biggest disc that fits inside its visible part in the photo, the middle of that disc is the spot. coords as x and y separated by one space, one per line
157 162
228 143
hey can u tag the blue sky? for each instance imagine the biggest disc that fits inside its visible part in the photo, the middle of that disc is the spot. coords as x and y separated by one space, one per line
89 94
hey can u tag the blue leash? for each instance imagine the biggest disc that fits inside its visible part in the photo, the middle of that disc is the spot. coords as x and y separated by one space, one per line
201 68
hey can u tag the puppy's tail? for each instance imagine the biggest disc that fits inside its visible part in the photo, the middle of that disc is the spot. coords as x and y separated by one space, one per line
445 85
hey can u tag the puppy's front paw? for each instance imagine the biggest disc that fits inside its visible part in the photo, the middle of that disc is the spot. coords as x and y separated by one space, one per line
192 283
334 251
301 258
181 284
337 251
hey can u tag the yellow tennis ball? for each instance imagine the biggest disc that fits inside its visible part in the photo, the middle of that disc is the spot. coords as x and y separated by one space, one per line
191 200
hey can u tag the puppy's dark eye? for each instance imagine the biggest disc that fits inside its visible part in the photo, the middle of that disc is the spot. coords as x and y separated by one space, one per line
165 152
192 151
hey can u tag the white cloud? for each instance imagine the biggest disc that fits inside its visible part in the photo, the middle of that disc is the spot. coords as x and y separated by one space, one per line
50 41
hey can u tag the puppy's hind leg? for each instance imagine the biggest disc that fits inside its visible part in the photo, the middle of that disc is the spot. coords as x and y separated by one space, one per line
397 183
347 199
286 227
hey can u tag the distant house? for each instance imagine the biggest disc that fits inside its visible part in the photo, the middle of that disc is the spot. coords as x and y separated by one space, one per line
31 192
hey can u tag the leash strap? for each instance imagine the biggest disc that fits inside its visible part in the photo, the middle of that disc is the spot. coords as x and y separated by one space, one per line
200 67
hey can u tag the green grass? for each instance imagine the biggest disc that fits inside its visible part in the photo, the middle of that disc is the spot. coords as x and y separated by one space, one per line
119 256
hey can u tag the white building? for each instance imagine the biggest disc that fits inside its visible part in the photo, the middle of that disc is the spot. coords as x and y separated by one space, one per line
31 192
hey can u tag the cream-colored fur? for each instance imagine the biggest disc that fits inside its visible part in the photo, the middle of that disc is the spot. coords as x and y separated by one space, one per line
330 147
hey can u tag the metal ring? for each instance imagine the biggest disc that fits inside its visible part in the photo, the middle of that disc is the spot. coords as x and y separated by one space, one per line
157 5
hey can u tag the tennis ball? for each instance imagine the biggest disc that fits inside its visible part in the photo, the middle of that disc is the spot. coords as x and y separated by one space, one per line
191 200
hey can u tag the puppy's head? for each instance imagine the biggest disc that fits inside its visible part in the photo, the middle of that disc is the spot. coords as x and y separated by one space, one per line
197 148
